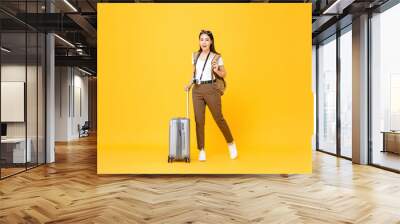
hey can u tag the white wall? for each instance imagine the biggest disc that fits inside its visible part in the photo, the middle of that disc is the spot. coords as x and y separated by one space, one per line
62 81
12 101
71 93
12 73
81 84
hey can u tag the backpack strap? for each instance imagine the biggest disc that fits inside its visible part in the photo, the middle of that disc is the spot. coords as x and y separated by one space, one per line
196 55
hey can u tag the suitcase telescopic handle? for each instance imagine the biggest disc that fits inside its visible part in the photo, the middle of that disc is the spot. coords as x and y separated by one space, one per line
187 100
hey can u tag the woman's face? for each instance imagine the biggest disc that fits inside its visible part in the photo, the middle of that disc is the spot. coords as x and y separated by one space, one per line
205 42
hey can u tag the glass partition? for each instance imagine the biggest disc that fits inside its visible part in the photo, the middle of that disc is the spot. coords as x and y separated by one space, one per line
14 153
346 92
327 95
385 89
22 89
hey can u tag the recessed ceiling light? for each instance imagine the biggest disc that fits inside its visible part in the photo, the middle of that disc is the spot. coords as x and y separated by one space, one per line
338 6
71 6
64 40
84 71
5 50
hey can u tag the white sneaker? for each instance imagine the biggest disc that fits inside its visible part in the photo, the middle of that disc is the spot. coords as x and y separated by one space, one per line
202 155
232 150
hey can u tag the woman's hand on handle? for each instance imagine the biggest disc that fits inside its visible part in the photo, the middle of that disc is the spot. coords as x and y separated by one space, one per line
188 86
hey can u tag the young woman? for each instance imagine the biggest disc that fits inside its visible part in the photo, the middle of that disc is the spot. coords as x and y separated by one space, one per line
205 92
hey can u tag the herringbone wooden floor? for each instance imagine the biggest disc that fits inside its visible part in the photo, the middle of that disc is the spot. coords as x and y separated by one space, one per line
70 191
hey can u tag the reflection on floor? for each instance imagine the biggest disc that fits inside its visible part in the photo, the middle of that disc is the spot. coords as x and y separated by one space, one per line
387 159
346 152
11 169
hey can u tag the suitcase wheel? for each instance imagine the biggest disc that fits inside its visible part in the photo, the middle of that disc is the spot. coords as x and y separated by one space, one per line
169 159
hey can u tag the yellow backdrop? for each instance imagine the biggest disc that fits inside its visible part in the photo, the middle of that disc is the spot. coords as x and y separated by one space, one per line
144 60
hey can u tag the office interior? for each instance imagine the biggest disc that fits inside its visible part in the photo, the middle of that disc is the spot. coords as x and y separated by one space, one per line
335 73
48 82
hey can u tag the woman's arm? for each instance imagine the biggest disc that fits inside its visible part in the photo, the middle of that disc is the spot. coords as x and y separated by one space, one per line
187 87
219 70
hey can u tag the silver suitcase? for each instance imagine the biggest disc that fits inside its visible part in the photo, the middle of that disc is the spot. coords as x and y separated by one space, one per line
179 137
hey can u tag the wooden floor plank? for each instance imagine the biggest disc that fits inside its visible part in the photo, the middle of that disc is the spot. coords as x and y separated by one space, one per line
70 191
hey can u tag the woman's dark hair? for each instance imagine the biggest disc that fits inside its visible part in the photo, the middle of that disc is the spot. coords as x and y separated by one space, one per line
209 34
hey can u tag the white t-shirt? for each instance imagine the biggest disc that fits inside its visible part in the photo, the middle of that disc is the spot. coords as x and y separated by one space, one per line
207 69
